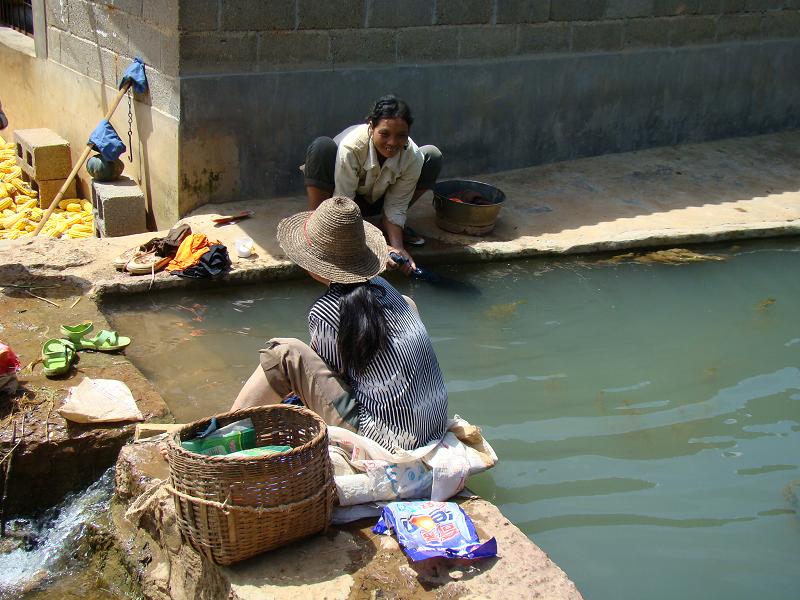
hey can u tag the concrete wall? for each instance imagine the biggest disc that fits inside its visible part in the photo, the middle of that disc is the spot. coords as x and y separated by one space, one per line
68 83
496 84
238 88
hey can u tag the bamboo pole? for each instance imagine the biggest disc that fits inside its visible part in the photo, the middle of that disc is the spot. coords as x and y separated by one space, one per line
79 164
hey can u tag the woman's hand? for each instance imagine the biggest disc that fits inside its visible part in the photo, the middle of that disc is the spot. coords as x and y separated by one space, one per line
408 267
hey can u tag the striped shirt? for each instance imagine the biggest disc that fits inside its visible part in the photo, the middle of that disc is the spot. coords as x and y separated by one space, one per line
401 395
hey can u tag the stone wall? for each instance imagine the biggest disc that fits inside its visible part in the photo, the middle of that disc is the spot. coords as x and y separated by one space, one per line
496 84
221 36
238 88
99 38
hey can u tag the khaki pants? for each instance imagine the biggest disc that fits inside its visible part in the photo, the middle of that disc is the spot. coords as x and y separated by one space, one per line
289 365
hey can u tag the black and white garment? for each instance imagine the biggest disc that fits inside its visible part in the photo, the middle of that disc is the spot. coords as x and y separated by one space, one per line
401 396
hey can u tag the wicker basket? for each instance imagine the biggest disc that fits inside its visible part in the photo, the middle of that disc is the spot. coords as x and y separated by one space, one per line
232 508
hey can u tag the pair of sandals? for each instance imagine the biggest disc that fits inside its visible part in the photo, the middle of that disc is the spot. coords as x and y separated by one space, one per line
153 255
58 354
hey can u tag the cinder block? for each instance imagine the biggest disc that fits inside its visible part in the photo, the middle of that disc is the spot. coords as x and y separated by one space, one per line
163 13
587 37
362 46
647 32
57 14
48 188
739 27
667 8
391 13
621 9
463 12
753 5
209 52
693 30
488 41
577 10
547 37
295 48
146 42
782 24
198 15
257 15
119 208
427 44
42 154
344 14
523 11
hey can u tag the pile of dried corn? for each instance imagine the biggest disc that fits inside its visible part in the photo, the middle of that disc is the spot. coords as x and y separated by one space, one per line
20 210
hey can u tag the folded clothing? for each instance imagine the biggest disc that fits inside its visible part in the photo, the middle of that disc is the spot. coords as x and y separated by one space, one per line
213 263
190 251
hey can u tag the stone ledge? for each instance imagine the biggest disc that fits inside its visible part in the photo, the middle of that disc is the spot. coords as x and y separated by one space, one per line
357 562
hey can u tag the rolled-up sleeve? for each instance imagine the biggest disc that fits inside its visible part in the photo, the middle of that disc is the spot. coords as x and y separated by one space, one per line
345 172
398 195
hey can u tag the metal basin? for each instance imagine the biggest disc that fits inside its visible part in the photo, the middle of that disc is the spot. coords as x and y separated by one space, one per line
459 217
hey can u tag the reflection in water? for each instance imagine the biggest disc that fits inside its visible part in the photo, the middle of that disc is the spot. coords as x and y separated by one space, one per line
645 415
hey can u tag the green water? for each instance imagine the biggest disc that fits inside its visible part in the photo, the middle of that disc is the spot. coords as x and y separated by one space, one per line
647 417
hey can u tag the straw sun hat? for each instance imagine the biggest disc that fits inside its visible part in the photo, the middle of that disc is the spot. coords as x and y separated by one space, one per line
334 242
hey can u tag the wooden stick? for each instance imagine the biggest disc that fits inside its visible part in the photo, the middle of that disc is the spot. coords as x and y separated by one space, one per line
79 164
43 299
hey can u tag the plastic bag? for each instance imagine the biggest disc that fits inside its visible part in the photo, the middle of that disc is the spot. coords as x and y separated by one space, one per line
427 529
100 401
437 471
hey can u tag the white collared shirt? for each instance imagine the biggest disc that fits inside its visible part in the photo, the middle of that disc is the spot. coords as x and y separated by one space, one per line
358 171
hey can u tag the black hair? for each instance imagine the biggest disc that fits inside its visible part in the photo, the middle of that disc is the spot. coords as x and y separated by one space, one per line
363 331
390 107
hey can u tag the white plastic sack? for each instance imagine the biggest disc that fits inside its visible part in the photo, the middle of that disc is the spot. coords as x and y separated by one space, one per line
100 401
437 471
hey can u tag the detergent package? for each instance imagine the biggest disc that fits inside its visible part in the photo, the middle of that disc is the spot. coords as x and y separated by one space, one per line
426 529
215 442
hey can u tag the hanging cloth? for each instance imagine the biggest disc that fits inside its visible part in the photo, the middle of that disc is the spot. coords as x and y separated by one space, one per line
135 75
105 140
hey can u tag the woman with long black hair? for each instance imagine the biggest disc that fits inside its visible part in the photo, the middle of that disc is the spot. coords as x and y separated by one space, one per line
370 367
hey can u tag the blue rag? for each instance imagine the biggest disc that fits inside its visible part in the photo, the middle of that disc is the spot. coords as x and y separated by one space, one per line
106 141
135 74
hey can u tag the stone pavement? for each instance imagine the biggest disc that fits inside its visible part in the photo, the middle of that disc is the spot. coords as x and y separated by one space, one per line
729 189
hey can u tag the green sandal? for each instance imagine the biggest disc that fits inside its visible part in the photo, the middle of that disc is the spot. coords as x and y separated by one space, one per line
57 356
104 341
76 332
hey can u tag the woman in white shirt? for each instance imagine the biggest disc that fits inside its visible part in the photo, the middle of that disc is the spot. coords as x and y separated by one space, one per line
379 166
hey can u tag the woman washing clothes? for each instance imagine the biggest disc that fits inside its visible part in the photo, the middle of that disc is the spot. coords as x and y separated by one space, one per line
379 166
370 367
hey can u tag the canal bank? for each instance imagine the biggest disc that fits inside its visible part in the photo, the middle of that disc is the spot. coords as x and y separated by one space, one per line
729 189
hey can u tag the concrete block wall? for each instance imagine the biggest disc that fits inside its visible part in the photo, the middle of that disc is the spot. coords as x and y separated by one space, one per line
99 38
224 36
496 84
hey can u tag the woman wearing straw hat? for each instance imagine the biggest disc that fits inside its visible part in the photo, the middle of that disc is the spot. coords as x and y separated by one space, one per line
370 367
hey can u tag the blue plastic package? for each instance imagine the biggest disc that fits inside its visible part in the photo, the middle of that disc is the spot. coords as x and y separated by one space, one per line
427 529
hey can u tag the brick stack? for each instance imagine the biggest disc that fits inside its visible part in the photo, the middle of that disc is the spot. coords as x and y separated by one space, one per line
45 161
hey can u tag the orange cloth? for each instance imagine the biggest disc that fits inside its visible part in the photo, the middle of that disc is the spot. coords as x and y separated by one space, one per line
190 251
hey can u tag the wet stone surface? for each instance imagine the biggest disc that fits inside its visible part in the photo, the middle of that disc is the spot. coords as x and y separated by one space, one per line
345 562
51 455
